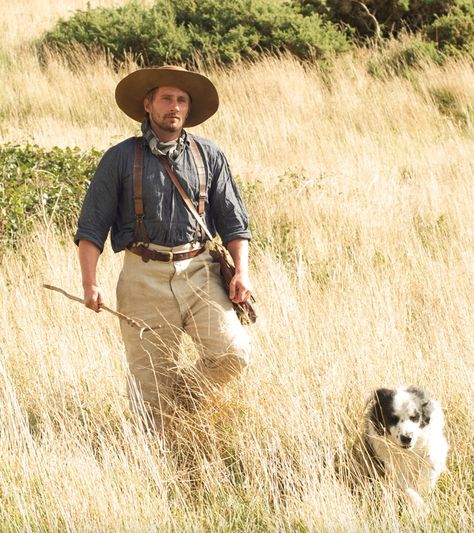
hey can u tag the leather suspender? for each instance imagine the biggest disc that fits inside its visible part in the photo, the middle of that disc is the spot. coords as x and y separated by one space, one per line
141 234
202 175
137 179
202 183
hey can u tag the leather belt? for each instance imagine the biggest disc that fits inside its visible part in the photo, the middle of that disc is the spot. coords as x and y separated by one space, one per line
168 257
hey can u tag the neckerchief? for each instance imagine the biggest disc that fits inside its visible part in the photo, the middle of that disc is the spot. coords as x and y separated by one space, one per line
171 149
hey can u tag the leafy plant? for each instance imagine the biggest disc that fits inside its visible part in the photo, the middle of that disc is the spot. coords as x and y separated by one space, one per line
452 107
37 182
215 31
455 31
149 33
384 17
401 56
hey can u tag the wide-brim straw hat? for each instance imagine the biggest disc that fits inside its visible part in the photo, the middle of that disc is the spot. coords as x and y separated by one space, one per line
131 91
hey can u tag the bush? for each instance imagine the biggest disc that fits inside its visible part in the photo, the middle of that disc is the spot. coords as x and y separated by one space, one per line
222 31
150 34
232 29
455 31
452 106
38 182
387 16
399 57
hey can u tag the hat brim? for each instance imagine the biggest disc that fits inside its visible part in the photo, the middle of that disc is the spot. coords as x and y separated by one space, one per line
131 91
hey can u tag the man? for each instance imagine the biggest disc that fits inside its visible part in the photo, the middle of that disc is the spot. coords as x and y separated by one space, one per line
179 289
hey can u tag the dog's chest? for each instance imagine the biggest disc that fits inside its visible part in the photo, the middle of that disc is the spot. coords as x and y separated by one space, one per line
411 466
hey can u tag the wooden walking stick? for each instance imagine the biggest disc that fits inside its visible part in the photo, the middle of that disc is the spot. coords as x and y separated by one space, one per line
131 321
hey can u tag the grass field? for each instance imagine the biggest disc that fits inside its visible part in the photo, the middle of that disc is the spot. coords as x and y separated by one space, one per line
361 199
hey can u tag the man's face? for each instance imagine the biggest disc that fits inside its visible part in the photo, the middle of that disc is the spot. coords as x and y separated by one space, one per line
168 110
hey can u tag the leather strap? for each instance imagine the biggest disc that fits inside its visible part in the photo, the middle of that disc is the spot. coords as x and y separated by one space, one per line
185 197
141 233
137 178
155 255
198 160
201 170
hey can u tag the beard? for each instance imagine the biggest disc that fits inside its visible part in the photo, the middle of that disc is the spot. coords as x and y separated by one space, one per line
168 124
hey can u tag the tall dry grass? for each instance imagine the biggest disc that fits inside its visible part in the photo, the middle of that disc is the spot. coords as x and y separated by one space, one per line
360 192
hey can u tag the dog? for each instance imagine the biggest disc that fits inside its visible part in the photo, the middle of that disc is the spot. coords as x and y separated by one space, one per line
404 438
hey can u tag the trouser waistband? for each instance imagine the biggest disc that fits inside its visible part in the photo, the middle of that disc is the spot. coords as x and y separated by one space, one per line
148 254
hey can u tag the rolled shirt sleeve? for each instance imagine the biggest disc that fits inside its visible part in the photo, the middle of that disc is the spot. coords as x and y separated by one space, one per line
99 210
227 207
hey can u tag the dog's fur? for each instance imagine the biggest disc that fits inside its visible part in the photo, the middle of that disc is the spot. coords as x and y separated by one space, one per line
404 439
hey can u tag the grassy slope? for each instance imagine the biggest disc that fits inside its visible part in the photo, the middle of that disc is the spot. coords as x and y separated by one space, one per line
361 198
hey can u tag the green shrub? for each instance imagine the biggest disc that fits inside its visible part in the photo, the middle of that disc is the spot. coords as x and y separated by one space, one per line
455 31
387 16
35 182
213 30
451 106
243 28
150 34
399 57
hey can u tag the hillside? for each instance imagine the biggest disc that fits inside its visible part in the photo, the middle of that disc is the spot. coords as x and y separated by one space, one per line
359 187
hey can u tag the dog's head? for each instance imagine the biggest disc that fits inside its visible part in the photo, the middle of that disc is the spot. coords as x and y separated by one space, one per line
400 414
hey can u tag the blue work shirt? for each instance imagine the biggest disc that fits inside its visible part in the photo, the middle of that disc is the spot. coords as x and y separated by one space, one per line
108 204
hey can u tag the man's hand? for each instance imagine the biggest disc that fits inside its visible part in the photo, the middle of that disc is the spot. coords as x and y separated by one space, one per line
240 288
93 298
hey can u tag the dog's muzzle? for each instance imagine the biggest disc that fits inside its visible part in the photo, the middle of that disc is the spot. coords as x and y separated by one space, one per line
406 440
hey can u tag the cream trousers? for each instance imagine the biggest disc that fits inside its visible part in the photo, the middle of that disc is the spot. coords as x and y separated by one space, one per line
172 298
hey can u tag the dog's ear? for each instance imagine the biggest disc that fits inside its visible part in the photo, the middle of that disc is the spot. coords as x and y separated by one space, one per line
427 408
427 404
378 407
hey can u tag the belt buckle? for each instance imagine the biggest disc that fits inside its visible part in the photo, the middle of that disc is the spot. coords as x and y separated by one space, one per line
170 257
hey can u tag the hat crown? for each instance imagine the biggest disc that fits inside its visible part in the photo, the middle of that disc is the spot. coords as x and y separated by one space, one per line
172 67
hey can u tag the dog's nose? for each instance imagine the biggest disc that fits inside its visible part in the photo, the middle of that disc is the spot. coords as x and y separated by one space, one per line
405 439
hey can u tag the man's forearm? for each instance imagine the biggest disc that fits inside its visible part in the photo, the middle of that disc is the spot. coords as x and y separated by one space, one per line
240 287
239 250
88 259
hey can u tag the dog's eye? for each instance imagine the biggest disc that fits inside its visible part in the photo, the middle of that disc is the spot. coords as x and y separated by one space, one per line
415 418
393 420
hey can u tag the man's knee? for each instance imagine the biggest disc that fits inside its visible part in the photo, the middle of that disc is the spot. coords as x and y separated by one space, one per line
221 368
240 356
236 361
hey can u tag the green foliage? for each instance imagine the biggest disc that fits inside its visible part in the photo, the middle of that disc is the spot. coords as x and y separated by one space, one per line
400 57
387 16
35 182
455 31
148 33
448 23
452 107
215 31
230 29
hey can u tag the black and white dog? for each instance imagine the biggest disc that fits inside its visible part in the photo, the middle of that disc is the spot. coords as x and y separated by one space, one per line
404 435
